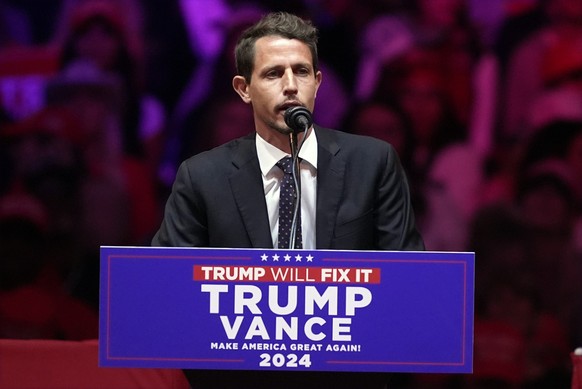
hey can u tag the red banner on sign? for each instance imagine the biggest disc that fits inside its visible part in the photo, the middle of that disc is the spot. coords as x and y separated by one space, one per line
287 274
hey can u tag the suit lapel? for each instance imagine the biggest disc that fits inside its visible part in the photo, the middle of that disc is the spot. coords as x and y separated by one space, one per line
248 192
330 181
247 188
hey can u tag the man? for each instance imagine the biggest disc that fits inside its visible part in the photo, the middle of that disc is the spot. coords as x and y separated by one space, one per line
354 191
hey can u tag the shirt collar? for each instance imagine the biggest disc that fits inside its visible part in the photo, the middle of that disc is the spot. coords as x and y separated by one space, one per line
269 155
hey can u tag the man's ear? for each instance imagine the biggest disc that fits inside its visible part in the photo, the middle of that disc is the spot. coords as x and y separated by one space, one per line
318 79
240 86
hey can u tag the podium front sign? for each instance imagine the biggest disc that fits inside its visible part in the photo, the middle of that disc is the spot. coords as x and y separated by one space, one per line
258 309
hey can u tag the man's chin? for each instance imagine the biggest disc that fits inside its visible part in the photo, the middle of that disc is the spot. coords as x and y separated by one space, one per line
281 129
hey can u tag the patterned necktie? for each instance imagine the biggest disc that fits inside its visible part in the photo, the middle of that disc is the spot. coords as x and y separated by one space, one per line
286 203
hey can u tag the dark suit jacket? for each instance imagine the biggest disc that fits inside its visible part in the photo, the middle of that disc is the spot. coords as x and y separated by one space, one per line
362 204
362 198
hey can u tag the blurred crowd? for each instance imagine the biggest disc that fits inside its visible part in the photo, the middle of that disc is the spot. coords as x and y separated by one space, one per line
101 100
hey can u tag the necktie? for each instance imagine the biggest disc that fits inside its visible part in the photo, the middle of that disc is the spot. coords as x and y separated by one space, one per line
287 198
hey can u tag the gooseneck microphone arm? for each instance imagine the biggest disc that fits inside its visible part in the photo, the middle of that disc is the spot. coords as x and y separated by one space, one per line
299 120
297 183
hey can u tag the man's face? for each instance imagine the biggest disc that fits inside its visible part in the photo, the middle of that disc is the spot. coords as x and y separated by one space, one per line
283 76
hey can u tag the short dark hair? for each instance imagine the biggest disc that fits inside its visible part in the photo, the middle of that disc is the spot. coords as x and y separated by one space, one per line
276 23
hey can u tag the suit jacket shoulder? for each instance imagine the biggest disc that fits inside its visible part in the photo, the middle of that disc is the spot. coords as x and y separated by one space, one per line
363 199
217 200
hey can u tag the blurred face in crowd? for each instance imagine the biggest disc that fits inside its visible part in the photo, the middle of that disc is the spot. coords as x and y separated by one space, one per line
421 100
546 209
381 122
99 43
283 76
91 110
48 165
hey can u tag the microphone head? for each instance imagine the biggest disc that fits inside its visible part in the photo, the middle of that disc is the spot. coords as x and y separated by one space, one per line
298 118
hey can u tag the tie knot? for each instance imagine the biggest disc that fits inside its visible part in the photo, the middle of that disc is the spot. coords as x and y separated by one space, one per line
286 164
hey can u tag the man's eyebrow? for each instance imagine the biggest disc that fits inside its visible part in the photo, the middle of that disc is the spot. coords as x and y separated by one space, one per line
293 66
270 67
307 65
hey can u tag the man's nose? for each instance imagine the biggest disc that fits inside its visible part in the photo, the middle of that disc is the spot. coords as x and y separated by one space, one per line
289 83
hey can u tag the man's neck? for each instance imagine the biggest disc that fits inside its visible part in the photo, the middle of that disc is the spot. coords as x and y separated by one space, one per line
283 141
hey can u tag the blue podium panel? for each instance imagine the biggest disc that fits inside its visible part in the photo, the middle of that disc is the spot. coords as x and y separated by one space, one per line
254 309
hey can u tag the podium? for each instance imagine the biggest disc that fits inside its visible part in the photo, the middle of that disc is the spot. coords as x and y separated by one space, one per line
286 310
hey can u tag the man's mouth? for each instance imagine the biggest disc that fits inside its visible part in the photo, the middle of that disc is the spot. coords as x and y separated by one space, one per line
288 104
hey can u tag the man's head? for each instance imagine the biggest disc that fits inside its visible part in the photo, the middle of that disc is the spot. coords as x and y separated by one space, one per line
277 65
274 24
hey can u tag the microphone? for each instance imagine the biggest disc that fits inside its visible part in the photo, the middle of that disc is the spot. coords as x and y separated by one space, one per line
298 118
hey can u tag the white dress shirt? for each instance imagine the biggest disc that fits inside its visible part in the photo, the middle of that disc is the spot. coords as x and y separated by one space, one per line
269 155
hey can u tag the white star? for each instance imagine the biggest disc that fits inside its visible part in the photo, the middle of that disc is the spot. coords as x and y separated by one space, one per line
298 258
287 258
309 258
276 258
264 257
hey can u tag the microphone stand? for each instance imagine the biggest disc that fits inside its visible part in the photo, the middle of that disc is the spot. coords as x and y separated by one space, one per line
298 119
297 181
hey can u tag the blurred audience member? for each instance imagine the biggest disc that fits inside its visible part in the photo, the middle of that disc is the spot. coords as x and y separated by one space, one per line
420 94
551 106
519 342
444 171
43 156
442 28
444 32
33 301
499 238
555 138
522 18
550 166
550 199
550 58
453 194
70 156
383 121
100 31
94 97
418 91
